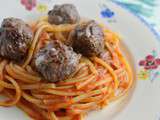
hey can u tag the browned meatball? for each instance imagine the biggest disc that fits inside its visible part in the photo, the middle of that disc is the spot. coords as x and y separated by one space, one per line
56 61
15 39
88 39
62 14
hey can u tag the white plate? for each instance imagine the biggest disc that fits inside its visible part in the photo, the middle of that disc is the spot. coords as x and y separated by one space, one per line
136 35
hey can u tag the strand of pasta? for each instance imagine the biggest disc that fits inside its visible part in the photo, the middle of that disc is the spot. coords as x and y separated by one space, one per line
91 65
115 58
59 36
33 45
52 116
2 82
17 96
21 74
33 77
100 61
86 82
129 71
57 28
31 71
3 63
31 98
17 76
25 107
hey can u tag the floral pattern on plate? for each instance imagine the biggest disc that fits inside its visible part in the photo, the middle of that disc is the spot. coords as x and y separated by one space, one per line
149 67
31 4
107 13
42 8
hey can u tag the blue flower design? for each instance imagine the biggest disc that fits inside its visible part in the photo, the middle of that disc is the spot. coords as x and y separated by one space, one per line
107 13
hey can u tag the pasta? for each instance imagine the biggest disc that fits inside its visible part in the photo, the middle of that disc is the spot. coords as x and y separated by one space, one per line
93 85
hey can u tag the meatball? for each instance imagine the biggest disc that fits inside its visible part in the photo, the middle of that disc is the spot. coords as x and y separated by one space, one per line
88 39
15 39
63 14
56 61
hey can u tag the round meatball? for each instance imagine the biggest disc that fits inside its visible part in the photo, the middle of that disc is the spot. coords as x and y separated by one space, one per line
88 39
63 14
15 39
56 61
